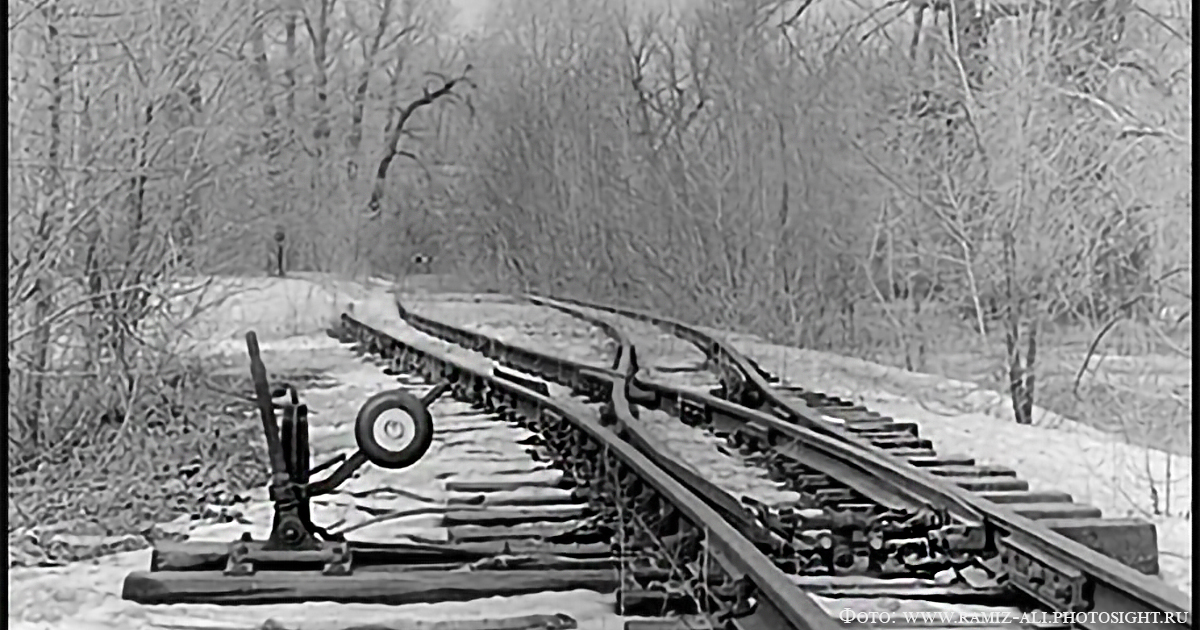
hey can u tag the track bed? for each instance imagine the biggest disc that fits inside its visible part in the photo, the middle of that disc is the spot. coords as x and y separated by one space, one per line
835 587
567 458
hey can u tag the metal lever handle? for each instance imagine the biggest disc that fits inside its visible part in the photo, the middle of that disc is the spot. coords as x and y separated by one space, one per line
262 392
339 476
330 463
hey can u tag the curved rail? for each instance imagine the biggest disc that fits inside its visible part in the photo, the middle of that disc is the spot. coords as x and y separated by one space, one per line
1076 579
780 604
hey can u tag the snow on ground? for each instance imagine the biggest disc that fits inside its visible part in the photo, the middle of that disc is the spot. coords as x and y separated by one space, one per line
553 332
214 313
87 595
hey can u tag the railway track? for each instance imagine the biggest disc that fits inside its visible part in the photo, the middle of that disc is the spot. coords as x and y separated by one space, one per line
712 569
671 548
842 468
507 521
1055 510
860 529
1029 530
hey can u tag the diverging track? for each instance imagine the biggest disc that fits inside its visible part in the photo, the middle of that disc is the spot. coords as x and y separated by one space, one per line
789 518
678 550
986 511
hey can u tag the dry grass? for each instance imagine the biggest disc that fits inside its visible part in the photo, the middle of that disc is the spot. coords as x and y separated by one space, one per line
126 478
195 446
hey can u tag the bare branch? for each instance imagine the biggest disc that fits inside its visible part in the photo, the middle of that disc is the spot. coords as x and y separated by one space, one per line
399 126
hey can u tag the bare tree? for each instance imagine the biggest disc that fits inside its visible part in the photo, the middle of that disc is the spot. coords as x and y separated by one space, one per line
370 52
397 126
48 223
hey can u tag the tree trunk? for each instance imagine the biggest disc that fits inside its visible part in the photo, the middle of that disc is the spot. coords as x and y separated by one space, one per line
261 68
392 139
782 254
289 71
971 31
1028 387
1021 379
137 199
46 227
273 143
186 103
917 295
354 140
319 35
1020 373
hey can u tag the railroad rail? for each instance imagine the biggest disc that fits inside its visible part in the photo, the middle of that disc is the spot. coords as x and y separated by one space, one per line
758 594
1061 573
702 560
683 544
772 533
892 533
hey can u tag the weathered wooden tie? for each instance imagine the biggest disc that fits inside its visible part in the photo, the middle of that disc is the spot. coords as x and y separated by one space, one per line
363 587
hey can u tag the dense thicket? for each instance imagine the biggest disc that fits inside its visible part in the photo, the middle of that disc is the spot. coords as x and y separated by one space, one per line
865 181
